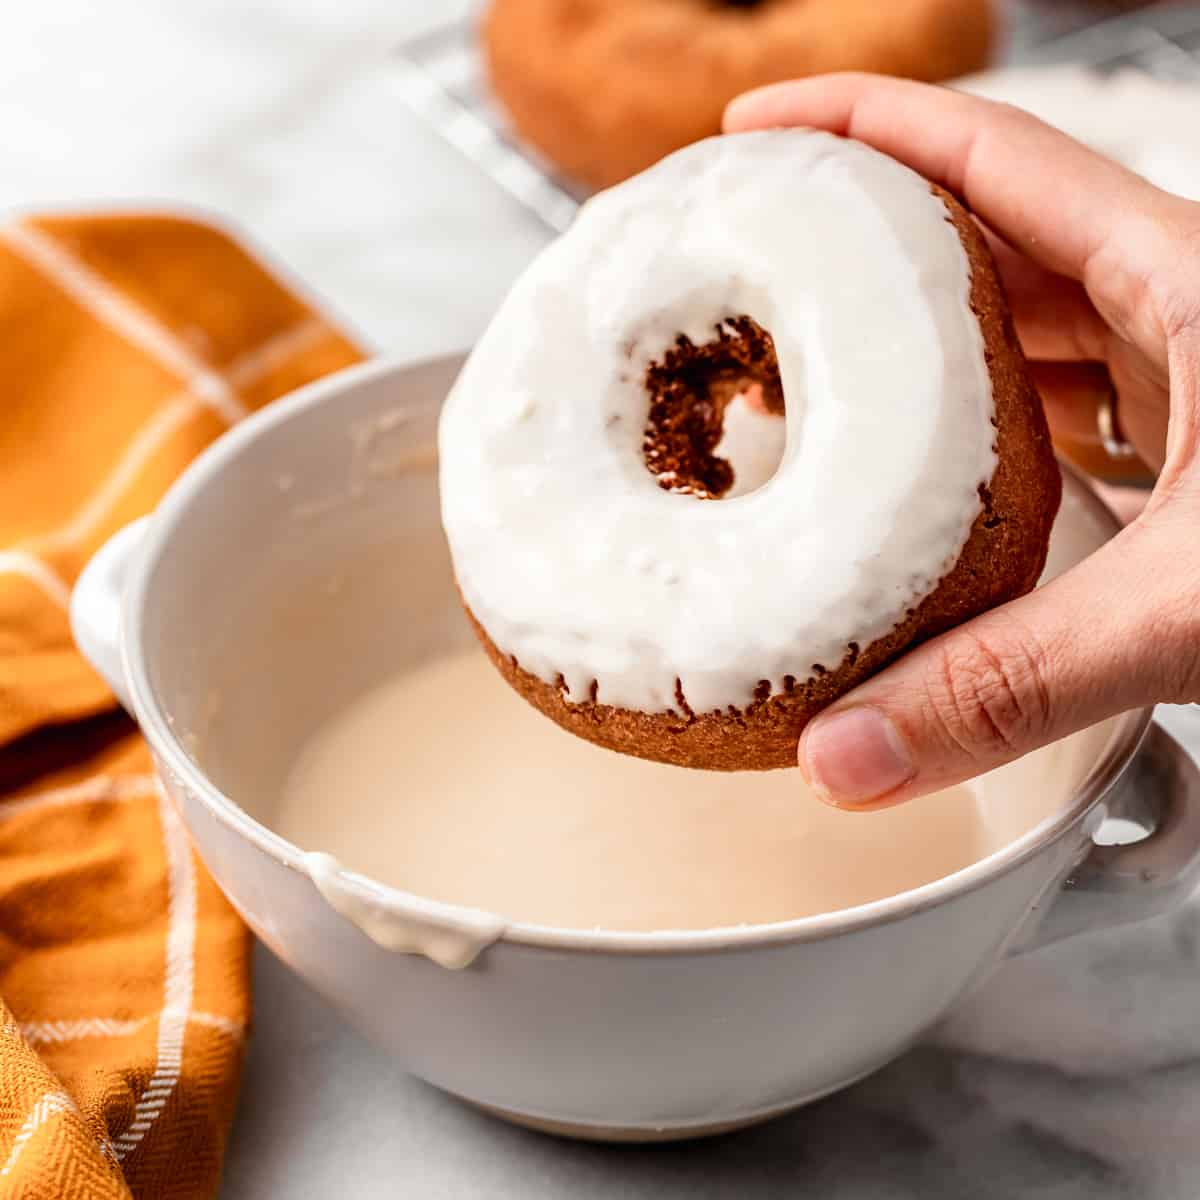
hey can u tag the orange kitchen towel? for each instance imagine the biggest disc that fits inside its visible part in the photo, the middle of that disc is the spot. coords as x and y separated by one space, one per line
127 344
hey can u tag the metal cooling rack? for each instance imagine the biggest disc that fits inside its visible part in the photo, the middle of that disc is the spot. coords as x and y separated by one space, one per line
442 80
1163 39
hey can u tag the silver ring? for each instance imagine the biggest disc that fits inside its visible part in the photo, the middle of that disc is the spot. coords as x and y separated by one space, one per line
1114 443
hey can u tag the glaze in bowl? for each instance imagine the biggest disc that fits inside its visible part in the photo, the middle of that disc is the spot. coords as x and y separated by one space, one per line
300 561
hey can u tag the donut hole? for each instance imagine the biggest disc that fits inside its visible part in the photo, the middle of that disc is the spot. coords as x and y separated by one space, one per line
689 446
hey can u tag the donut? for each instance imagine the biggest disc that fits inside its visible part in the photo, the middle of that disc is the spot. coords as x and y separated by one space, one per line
604 88
670 592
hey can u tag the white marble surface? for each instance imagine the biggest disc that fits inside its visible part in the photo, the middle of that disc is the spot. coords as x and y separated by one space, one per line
283 116
1074 1073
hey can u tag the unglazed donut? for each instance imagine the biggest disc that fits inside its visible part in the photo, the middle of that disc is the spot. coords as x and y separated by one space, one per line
605 88
580 445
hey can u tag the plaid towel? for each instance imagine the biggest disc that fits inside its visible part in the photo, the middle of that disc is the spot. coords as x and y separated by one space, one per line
127 344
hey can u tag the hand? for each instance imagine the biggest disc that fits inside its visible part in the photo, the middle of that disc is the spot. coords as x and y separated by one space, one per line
1100 266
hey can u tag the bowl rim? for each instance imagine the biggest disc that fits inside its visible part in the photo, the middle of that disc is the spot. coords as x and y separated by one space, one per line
1121 747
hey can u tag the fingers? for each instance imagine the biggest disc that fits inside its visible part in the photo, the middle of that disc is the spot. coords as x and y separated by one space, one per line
1077 364
1053 315
1106 637
996 157
1075 360
1071 394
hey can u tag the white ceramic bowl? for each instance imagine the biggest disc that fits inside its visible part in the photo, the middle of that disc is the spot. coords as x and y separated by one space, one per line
300 561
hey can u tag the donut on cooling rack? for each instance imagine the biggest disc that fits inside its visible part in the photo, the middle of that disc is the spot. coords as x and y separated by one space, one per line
604 88
754 426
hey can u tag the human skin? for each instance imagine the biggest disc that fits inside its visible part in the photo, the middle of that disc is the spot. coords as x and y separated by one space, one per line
1100 266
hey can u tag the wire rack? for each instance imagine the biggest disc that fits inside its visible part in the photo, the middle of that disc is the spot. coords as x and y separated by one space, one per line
442 80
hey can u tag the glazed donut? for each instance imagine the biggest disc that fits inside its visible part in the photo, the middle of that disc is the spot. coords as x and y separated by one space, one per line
908 485
605 88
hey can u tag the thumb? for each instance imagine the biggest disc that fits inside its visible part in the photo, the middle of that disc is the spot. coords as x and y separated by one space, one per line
1116 632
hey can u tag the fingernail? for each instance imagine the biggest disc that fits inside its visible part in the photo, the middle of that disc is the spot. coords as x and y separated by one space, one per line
855 756
736 107
740 107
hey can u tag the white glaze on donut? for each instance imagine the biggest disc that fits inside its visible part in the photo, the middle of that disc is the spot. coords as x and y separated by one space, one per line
567 551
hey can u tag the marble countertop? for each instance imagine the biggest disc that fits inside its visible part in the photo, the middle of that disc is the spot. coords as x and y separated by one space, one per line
1074 1073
